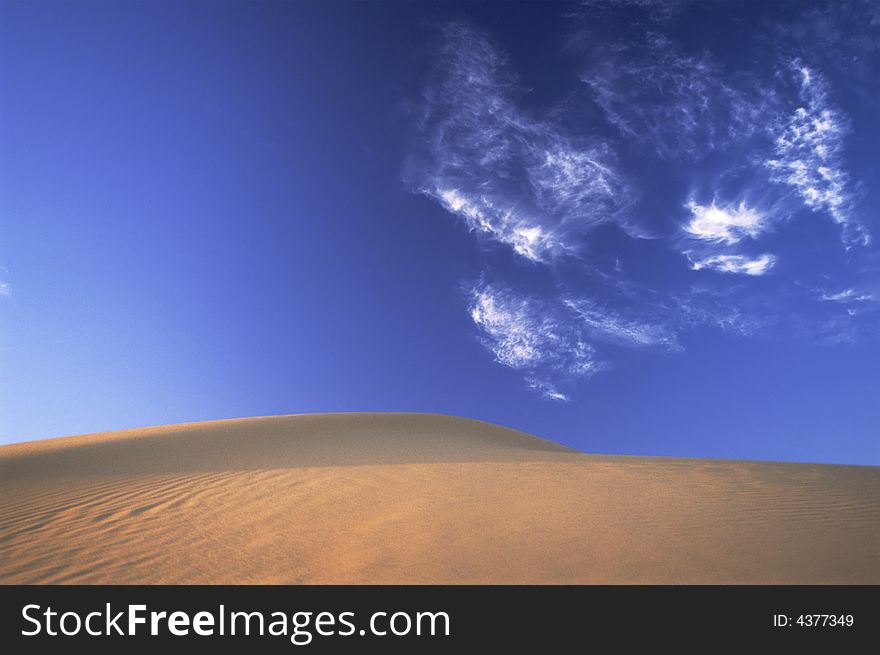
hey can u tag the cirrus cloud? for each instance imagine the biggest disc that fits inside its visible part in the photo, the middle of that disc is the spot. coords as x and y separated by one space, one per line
759 265
760 153
513 177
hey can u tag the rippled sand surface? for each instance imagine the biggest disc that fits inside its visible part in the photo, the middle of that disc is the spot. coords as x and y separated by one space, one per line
417 498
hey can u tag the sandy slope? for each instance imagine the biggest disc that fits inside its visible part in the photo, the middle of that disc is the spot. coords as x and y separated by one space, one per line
417 498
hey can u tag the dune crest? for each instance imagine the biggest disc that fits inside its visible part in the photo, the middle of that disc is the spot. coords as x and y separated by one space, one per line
297 441
417 498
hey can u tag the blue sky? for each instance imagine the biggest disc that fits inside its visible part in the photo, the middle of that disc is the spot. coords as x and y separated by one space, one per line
631 227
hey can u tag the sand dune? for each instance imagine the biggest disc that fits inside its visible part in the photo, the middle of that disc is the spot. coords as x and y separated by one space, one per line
414 498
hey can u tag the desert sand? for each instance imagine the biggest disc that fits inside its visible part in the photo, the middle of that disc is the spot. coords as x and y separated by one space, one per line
417 498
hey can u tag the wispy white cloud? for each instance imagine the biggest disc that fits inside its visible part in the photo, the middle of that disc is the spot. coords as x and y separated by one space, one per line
843 39
547 389
539 177
533 336
735 264
846 296
808 154
684 106
511 176
554 341
696 309
604 324
570 179
515 334
728 225
5 289
504 224
712 226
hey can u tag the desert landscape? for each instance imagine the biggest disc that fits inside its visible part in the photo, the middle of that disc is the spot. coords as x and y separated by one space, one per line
417 498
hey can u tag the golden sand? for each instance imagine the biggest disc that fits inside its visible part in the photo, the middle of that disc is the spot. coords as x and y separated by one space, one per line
417 498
